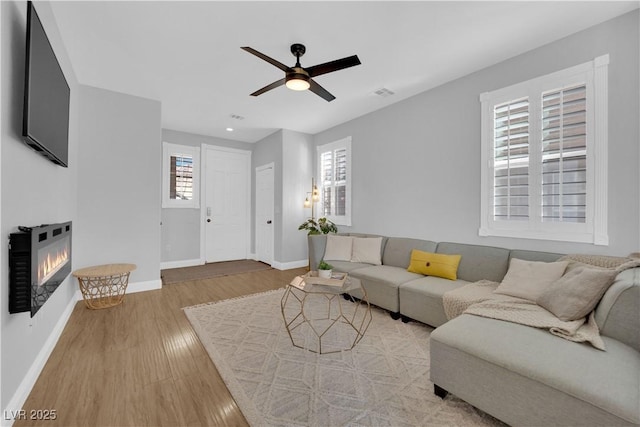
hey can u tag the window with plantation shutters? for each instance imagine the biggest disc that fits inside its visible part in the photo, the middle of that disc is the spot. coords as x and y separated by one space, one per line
544 157
180 166
181 177
334 166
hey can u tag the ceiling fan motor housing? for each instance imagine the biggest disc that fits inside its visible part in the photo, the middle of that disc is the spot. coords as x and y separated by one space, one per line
298 50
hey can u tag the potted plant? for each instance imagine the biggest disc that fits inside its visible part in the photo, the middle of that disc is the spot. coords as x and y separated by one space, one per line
321 226
324 270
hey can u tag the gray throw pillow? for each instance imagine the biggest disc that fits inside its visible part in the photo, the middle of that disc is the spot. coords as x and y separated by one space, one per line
577 293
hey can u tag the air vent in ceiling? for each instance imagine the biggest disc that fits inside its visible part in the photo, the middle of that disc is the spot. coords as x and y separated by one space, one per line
384 92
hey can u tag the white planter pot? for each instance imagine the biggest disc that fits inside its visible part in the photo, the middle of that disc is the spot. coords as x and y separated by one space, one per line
325 274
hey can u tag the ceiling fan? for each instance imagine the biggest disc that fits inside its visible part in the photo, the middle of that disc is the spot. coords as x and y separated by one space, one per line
300 78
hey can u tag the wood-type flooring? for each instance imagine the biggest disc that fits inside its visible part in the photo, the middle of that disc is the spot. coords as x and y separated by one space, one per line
140 363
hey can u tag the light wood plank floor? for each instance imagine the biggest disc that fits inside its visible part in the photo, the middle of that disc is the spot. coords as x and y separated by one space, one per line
140 363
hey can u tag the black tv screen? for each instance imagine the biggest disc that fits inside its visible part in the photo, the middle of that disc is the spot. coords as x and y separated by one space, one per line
45 124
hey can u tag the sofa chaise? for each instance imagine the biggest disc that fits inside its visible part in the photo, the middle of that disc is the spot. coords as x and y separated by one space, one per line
519 374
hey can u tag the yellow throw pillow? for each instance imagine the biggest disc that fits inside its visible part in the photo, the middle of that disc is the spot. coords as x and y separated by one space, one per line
430 264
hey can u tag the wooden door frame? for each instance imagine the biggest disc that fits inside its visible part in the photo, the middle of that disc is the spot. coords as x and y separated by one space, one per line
204 149
273 243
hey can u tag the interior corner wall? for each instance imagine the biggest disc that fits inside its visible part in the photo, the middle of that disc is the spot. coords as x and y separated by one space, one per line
181 227
119 184
269 150
416 164
34 191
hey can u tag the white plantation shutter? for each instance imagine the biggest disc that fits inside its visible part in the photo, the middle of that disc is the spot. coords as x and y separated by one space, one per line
335 186
544 157
326 182
511 161
564 155
181 180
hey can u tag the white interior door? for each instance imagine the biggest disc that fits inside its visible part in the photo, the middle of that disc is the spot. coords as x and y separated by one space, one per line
226 204
264 213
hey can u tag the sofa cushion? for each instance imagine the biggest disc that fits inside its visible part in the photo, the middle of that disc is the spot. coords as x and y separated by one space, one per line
575 295
421 299
348 266
432 264
338 248
534 255
617 313
529 279
601 378
397 251
478 262
367 250
381 284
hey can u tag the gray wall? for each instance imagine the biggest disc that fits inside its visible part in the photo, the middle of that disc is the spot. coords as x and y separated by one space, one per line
34 191
119 182
269 150
298 155
416 164
292 155
181 227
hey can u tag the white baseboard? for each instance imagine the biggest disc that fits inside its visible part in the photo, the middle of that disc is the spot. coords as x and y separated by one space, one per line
19 398
181 263
289 265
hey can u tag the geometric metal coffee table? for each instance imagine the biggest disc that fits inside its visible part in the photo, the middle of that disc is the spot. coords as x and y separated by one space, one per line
319 319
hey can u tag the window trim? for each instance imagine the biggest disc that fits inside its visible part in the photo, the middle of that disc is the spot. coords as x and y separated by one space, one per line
169 149
594 230
345 143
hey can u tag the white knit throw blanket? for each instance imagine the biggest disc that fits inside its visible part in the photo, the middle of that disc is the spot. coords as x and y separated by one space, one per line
478 299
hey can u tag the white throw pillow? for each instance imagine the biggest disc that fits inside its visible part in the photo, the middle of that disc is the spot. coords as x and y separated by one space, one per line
529 279
338 248
367 250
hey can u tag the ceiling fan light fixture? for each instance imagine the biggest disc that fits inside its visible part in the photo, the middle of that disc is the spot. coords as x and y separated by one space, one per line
297 81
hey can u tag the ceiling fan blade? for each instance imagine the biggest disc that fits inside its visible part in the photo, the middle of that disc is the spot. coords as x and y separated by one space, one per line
266 58
338 64
320 91
269 87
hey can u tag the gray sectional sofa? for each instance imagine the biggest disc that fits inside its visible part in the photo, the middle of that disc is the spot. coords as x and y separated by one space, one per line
519 374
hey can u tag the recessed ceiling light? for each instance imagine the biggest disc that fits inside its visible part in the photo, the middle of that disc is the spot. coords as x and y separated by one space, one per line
229 129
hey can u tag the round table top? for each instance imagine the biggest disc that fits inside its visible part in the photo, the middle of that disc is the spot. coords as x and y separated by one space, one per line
105 270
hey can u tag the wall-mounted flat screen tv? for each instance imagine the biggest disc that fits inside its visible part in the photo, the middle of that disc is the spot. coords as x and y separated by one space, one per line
45 124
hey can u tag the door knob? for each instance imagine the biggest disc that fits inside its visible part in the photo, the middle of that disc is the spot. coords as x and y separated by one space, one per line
208 219
269 222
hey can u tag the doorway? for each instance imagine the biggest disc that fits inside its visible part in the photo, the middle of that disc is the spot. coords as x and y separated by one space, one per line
225 211
264 213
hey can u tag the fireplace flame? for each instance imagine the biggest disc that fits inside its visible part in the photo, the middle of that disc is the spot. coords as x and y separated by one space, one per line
50 264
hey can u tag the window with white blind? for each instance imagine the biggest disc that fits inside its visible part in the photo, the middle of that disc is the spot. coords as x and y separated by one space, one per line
544 157
180 175
334 168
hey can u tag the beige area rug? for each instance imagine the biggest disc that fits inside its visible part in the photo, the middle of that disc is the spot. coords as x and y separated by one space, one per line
214 269
383 381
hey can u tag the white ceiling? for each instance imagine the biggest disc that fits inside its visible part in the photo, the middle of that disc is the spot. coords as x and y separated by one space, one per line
188 56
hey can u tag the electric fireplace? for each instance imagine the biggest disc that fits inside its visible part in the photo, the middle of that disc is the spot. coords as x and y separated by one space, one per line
39 261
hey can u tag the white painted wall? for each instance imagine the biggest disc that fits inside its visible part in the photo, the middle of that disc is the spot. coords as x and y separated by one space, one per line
34 191
416 164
